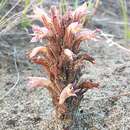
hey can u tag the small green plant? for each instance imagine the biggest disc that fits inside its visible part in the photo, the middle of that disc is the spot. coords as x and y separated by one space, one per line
61 57
25 22
125 19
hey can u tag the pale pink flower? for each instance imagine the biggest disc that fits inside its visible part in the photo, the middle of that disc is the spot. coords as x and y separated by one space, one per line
69 53
39 33
35 82
36 50
66 92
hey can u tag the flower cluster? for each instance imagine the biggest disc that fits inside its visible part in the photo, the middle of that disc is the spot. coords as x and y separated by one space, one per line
60 57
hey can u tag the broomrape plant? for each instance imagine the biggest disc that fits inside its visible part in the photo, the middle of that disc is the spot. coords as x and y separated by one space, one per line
60 57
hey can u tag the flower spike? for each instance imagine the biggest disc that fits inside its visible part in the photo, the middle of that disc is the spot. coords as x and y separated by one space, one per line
60 57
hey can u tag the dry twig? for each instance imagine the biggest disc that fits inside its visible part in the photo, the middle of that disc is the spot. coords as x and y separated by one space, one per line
18 77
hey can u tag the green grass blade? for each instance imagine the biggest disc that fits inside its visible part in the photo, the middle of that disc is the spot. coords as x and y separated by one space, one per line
75 4
125 19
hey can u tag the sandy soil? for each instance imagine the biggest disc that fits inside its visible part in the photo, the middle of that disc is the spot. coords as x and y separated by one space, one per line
24 109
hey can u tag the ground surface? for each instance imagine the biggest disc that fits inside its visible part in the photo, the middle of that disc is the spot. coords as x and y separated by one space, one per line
24 109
